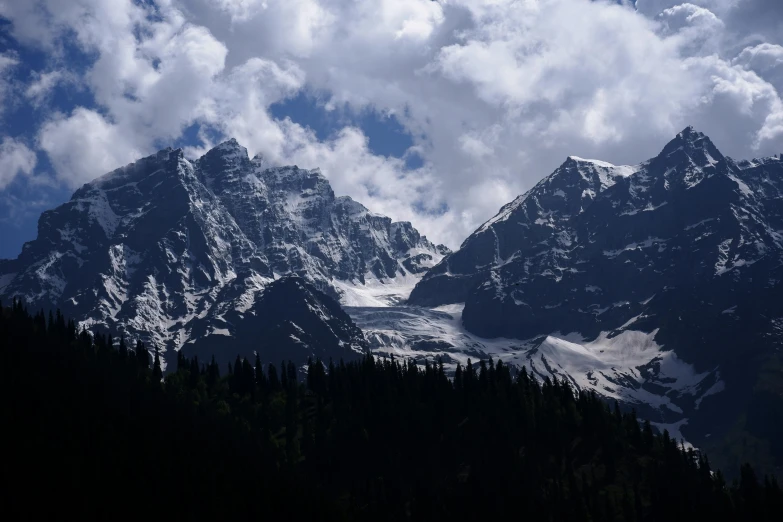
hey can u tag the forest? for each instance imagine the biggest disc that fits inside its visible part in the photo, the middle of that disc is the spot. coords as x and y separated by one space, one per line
94 430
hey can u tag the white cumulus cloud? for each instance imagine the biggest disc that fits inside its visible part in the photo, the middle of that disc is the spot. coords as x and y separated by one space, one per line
495 93
15 159
85 145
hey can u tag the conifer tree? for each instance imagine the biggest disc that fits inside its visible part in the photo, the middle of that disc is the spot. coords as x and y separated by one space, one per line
213 373
142 355
283 376
157 372
248 379
292 378
274 381
123 348
181 361
259 371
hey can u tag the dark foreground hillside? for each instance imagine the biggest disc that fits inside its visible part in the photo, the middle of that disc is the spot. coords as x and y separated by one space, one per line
91 432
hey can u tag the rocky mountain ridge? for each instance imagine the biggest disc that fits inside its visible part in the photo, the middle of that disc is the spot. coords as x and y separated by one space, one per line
163 249
658 284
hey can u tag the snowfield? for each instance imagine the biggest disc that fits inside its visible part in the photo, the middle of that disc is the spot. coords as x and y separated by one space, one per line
628 366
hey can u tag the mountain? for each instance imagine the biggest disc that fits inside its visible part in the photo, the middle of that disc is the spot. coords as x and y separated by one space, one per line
289 321
170 250
660 284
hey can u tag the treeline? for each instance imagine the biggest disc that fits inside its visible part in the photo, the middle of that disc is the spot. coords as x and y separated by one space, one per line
92 421
90 432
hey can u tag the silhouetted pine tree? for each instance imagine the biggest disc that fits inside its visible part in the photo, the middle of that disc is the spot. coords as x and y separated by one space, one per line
157 373
142 355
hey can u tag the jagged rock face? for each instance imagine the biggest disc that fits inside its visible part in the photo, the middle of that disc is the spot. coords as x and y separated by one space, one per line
293 216
164 248
594 245
142 250
290 320
597 263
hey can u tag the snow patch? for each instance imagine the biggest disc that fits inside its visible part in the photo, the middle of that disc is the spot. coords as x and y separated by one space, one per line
647 243
674 431
6 280
376 292
618 367
626 367
619 170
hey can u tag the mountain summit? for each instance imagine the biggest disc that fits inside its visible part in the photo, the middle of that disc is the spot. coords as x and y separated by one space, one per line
166 249
589 211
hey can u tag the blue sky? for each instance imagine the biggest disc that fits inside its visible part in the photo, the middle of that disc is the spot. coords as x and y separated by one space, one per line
436 112
22 202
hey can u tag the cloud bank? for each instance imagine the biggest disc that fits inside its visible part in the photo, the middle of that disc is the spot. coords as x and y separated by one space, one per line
495 93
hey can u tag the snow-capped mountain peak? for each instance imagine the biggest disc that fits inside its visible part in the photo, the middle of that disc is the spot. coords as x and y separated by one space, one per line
695 145
165 247
687 160
681 256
